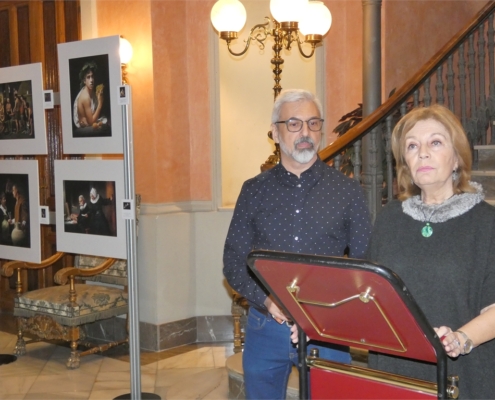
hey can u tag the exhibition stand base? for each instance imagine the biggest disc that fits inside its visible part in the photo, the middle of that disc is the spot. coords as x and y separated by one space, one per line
7 358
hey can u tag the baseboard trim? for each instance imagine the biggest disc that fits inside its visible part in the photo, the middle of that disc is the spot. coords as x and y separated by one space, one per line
202 329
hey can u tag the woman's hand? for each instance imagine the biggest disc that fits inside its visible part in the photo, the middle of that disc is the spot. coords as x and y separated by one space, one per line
451 341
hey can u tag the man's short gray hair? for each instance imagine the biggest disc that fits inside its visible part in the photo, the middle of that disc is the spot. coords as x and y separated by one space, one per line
290 96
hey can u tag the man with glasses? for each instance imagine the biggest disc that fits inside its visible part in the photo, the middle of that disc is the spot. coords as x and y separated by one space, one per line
302 206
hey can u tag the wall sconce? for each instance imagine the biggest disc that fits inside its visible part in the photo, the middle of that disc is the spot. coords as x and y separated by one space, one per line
125 57
291 20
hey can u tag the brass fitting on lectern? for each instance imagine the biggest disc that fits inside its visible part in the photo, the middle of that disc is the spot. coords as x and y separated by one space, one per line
453 387
314 353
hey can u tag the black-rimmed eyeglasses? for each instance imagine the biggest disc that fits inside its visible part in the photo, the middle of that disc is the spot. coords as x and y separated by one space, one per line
295 124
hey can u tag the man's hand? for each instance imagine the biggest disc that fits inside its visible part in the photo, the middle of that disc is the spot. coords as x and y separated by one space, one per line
275 310
294 334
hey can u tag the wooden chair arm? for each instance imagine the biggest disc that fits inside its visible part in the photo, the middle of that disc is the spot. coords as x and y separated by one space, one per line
63 275
9 267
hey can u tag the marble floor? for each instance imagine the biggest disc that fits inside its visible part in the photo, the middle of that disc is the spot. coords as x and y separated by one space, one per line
189 372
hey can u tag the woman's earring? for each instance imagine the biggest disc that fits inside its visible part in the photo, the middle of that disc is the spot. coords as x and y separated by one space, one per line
455 176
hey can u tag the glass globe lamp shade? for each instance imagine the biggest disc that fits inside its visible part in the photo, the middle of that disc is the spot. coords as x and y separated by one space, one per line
228 15
316 19
288 10
125 51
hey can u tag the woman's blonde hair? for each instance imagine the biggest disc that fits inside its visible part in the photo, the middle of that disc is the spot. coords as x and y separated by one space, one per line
462 150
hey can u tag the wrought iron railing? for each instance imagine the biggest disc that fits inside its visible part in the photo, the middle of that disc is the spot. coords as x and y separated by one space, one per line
460 76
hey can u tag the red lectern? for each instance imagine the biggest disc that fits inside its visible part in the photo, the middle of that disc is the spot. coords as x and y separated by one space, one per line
359 304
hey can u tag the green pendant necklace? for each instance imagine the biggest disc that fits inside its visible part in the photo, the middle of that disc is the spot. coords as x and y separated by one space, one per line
427 230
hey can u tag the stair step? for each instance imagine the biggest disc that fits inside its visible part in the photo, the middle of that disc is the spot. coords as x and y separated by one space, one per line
482 173
486 157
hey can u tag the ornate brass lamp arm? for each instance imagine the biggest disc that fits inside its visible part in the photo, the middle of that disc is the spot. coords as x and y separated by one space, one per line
313 46
260 37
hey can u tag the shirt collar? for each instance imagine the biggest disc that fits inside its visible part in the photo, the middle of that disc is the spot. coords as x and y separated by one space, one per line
312 174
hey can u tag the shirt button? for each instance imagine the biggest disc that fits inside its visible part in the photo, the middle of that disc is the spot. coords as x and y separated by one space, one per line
296 238
299 185
297 211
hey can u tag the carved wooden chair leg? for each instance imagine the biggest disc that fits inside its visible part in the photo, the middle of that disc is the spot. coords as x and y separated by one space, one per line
74 359
20 346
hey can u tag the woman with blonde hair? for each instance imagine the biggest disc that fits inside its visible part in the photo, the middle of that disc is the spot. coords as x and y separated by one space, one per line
439 237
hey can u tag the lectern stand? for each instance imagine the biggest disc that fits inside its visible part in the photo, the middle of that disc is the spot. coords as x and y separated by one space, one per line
358 304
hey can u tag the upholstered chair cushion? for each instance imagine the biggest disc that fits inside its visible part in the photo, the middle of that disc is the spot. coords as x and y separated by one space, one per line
93 302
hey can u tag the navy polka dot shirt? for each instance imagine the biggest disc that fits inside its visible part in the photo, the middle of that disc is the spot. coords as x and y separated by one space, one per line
323 212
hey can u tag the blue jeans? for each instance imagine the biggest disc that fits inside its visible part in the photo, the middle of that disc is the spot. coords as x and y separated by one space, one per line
269 356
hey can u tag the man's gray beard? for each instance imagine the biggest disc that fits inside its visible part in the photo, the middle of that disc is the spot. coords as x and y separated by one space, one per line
303 156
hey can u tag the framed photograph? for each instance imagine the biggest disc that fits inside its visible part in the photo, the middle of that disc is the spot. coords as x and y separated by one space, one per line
90 77
19 216
88 198
22 112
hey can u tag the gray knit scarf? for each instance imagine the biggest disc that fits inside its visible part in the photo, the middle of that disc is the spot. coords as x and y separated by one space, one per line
450 208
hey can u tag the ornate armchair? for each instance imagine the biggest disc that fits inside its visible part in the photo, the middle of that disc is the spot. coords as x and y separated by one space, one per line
60 311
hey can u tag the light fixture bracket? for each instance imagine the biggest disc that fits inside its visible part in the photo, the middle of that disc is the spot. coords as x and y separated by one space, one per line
228 35
289 26
313 39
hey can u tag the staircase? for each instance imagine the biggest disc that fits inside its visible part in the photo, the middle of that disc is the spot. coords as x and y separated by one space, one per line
460 76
